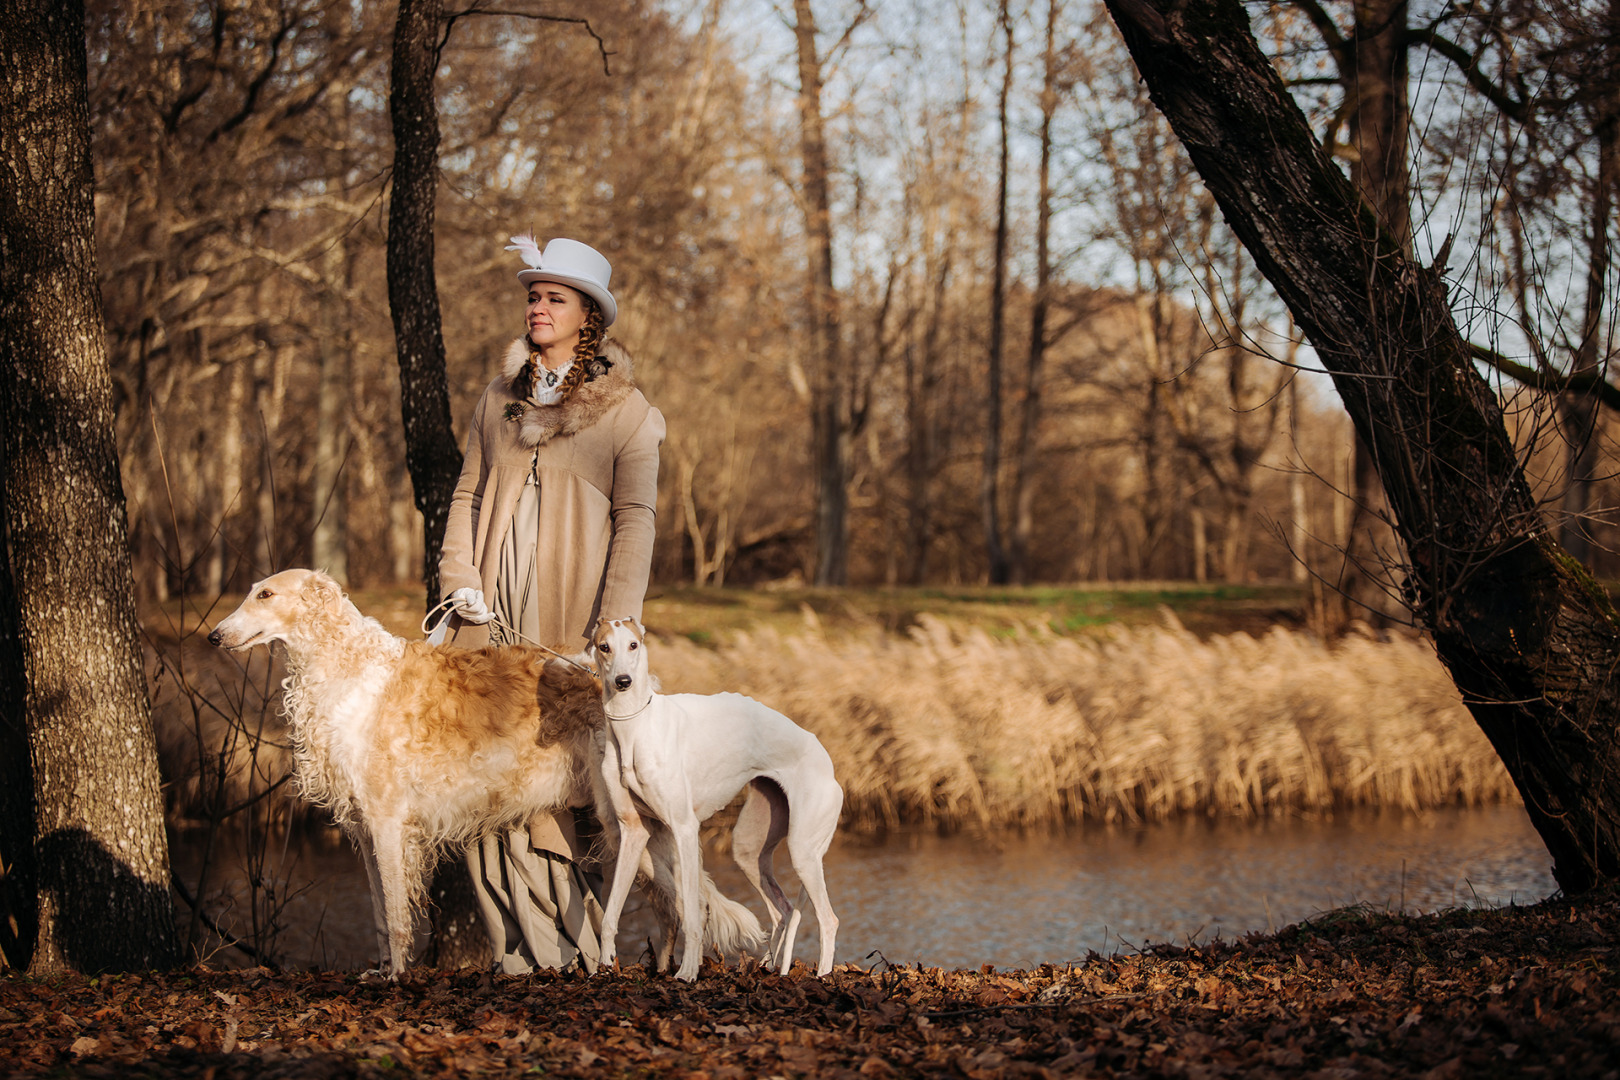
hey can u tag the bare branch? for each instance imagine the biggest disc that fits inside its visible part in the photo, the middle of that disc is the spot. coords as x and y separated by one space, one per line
1590 381
601 45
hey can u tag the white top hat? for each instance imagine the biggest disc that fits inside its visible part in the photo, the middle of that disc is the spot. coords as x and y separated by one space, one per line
571 263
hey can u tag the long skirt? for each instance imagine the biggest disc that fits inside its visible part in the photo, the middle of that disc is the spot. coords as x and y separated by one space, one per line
540 908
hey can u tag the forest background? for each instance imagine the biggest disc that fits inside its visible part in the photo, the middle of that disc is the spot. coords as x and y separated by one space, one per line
1113 417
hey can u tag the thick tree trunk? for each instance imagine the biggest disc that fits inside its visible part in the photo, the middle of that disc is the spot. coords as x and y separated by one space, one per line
99 859
829 420
1528 637
431 451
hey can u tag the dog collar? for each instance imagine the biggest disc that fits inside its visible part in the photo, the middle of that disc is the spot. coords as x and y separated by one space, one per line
629 716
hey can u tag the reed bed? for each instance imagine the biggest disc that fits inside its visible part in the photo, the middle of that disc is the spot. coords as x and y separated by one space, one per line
947 726
950 727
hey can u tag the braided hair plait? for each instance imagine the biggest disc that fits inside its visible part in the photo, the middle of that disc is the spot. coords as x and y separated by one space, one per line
590 340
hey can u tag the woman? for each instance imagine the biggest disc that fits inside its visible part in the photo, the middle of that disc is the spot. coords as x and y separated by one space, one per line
551 528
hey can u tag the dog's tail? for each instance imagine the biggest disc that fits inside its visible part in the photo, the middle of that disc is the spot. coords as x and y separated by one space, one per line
728 926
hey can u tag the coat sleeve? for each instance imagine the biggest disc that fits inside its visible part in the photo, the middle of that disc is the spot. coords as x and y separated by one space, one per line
635 497
456 569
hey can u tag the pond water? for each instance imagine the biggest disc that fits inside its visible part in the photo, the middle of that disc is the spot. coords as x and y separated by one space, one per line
1022 900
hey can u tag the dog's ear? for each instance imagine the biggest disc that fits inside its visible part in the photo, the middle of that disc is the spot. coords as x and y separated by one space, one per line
322 595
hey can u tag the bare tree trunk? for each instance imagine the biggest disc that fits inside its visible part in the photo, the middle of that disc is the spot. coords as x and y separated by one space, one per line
1580 409
1029 418
1375 82
1299 528
95 851
329 544
990 480
1530 639
270 393
923 364
228 477
431 451
829 419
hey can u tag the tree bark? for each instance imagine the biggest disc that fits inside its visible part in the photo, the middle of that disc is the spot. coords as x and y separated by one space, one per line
1526 634
431 451
99 860
829 421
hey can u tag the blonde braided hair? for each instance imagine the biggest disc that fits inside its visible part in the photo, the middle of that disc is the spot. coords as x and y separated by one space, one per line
591 335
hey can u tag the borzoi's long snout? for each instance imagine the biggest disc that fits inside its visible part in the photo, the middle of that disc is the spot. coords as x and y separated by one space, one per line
270 610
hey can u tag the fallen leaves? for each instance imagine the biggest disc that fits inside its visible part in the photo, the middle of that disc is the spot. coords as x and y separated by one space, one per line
1356 994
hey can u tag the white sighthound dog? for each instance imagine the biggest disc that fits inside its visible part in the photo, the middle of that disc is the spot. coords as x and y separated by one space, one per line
678 758
414 748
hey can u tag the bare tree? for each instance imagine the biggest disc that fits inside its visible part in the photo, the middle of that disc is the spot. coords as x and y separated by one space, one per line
830 423
99 862
431 450
1527 635
990 481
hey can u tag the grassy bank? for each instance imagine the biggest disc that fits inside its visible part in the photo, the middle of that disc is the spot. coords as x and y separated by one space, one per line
1353 994
978 712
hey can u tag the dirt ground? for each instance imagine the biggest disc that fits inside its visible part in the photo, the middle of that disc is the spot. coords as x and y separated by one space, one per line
1523 991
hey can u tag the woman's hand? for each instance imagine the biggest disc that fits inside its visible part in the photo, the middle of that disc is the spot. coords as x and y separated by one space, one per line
470 606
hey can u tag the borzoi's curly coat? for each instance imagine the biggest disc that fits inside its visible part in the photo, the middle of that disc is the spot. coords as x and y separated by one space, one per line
414 748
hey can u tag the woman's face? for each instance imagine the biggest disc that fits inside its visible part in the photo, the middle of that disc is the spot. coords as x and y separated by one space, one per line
555 314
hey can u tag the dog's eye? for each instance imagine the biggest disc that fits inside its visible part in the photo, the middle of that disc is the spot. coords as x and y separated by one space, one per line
632 646
265 594
603 649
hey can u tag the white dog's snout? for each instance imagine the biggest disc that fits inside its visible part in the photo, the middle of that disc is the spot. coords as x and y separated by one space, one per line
622 682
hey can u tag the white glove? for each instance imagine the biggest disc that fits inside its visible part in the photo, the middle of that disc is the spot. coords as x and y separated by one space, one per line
470 606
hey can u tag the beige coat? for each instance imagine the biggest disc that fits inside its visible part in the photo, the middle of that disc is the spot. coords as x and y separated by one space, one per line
596 457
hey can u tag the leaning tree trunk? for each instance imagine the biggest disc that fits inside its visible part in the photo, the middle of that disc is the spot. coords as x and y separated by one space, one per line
431 452
95 846
1528 637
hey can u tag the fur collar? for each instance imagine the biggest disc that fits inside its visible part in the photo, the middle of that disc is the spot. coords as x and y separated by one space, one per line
540 424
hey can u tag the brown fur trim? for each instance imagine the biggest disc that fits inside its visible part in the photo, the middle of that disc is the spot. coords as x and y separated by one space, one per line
588 404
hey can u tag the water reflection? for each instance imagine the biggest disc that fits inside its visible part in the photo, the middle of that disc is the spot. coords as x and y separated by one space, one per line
1013 901
1018 902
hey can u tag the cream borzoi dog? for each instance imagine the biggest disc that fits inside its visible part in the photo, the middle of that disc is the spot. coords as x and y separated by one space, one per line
679 758
414 749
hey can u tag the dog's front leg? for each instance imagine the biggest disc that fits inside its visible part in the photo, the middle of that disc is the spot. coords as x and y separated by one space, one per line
689 886
632 835
379 913
388 843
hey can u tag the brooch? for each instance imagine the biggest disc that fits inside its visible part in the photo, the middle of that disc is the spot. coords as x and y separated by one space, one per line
514 410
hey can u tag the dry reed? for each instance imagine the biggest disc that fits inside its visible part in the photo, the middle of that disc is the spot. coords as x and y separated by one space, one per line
951 727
